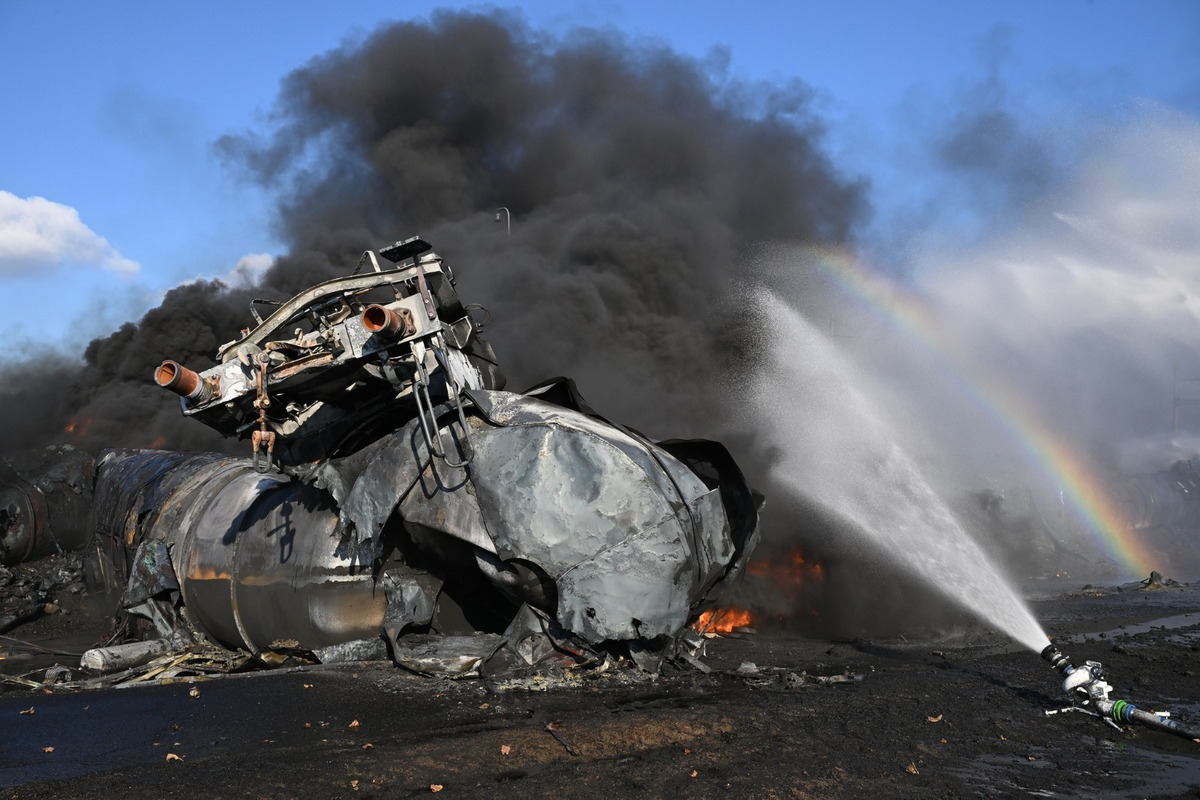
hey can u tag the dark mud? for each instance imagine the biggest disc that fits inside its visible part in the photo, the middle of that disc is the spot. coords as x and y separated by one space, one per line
963 716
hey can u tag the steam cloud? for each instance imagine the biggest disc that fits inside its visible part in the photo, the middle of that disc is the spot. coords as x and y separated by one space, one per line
1083 300
1088 302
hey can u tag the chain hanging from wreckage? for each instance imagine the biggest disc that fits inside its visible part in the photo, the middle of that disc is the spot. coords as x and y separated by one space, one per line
262 439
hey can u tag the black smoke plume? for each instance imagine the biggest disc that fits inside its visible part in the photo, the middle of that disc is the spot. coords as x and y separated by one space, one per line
635 178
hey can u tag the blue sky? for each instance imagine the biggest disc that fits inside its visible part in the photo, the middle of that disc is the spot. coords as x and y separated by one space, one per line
110 111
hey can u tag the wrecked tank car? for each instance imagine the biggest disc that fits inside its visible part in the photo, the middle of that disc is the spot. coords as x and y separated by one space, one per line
396 495
44 500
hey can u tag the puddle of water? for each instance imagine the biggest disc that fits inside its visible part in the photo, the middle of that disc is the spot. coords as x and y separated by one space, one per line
1175 622
1169 773
1153 774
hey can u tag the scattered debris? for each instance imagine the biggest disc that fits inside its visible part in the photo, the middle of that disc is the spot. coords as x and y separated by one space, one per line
559 738
349 652
131 654
1156 581
792 680
29 590
57 675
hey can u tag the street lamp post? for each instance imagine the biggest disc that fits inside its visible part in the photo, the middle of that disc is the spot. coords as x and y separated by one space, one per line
508 217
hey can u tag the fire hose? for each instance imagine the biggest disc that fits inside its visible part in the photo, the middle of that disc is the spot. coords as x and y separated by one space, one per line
1088 691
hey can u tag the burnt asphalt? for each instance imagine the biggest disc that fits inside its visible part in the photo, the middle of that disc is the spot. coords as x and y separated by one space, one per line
962 715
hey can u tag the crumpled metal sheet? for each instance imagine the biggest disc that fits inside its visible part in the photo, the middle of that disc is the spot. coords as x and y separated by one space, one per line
409 604
446 656
631 538
150 575
624 529
534 641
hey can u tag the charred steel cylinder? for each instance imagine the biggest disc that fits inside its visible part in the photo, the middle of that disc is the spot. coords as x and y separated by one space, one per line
263 563
257 557
388 322
183 382
22 518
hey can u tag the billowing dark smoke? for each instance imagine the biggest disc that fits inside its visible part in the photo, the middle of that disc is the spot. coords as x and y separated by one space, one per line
108 400
634 176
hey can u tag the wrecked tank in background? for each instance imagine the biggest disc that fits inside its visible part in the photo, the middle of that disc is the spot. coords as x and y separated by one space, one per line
1164 508
1168 499
394 490
44 500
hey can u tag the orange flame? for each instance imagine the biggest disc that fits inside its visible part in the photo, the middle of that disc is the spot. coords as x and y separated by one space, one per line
788 573
723 620
791 576
78 427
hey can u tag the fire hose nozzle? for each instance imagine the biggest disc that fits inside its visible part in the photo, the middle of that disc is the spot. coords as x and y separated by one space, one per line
388 322
185 383
1086 681
1089 692
1057 660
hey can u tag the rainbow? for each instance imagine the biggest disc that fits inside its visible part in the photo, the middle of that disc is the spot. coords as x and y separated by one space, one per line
1054 458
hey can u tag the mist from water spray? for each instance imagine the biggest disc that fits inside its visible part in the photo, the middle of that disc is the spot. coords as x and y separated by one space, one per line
839 453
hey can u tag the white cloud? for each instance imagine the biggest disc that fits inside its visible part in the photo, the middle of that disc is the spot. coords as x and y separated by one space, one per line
36 232
249 269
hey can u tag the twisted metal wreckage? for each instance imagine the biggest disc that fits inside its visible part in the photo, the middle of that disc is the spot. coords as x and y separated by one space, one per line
398 495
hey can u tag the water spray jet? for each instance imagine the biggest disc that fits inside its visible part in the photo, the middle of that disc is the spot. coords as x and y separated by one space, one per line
844 457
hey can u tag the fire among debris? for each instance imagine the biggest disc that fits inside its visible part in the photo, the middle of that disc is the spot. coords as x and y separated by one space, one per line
789 573
782 586
79 427
724 620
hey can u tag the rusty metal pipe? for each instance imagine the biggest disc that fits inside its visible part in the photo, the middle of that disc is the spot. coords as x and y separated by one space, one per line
388 322
183 382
